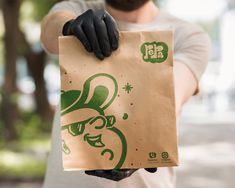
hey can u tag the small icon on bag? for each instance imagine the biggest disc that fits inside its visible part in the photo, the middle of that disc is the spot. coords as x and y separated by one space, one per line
165 155
152 155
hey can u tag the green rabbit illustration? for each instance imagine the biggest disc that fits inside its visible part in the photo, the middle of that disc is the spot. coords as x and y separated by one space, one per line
96 97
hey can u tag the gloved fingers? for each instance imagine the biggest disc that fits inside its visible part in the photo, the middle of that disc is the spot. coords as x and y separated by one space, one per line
102 35
118 175
112 31
115 175
67 28
128 172
89 29
100 173
151 170
78 32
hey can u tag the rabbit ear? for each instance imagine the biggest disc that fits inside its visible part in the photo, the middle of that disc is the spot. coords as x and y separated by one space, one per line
69 98
99 91
99 96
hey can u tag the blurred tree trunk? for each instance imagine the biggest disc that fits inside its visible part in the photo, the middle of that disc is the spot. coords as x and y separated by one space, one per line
9 110
36 62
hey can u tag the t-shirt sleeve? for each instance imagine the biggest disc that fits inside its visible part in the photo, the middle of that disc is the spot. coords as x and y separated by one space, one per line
77 6
192 47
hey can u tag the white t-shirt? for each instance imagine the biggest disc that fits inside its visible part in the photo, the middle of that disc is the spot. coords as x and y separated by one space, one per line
191 45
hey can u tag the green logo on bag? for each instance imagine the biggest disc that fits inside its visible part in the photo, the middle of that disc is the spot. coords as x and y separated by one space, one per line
154 52
152 155
165 155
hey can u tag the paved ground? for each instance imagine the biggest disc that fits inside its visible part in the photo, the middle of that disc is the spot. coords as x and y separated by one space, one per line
207 153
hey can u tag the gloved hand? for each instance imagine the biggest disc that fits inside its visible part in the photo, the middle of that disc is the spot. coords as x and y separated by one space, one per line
96 30
116 175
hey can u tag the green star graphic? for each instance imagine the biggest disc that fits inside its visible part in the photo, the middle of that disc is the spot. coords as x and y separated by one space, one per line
128 88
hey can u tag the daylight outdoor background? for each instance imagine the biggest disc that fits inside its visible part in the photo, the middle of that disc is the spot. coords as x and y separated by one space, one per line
30 87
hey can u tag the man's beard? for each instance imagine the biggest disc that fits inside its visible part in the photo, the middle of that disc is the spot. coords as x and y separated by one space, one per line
126 5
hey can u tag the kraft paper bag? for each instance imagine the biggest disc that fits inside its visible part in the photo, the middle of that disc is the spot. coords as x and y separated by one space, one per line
120 112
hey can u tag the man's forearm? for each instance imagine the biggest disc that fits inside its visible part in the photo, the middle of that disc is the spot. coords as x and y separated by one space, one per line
51 29
185 84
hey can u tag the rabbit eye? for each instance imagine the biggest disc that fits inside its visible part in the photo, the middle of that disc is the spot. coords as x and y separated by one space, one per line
77 128
111 120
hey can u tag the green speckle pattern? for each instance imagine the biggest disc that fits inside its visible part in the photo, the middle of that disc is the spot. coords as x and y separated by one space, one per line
125 116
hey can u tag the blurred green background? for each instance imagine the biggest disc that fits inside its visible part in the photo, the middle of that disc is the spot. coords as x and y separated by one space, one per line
30 87
27 101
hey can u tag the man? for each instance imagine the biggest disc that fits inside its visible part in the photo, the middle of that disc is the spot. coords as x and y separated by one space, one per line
98 32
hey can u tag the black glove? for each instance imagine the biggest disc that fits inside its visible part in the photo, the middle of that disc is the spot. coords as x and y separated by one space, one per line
96 30
116 175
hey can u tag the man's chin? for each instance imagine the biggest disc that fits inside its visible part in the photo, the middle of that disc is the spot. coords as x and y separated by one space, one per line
126 5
